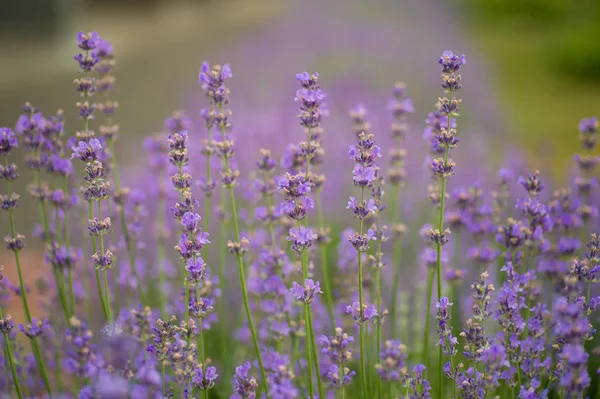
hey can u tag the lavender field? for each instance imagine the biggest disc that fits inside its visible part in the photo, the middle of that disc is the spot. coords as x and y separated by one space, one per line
360 231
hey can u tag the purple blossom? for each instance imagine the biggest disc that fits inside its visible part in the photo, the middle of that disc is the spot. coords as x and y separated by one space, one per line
87 151
337 348
446 339
359 316
8 141
333 375
306 294
244 386
392 365
301 238
204 379
451 63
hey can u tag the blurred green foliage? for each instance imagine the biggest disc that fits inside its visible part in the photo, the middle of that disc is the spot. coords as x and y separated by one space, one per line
544 58
572 29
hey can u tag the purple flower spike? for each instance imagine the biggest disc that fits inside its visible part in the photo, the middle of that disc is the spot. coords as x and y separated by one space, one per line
204 379
87 152
368 312
244 386
393 361
87 41
451 63
306 294
301 238
8 141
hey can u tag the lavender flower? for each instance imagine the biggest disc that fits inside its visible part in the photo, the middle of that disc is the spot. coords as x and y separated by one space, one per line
339 380
301 238
306 294
392 366
244 386
446 340
336 348
361 316
204 379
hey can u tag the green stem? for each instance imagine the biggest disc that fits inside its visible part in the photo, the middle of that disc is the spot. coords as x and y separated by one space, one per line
115 272
106 292
431 274
395 262
241 269
96 271
40 360
438 250
13 369
307 326
162 378
363 367
160 248
57 275
378 292
315 355
324 263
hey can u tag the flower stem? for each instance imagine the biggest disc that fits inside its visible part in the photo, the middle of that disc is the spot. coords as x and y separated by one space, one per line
241 271
395 262
438 249
96 271
363 367
324 263
160 247
378 292
431 274
13 369
106 292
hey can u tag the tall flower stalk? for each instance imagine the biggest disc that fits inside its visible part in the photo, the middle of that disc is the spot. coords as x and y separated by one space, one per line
365 174
109 130
6 327
295 189
212 81
401 107
15 241
443 168
586 163
88 150
191 243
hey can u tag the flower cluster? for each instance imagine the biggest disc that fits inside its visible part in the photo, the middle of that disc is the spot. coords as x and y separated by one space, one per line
169 325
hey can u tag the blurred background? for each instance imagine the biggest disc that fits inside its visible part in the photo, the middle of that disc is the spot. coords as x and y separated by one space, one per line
534 65
533 70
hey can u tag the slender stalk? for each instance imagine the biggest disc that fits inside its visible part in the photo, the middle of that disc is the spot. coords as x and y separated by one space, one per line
115 283
315 356
378 296
430 276
96 271
308 352
363 367
46 224
35 347
163 378
395 262
11 361
241 271
161 251
241 268
324 263
67 240
106 291
438 250
40 361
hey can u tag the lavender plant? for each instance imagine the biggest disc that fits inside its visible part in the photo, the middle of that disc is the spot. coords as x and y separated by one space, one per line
525 329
